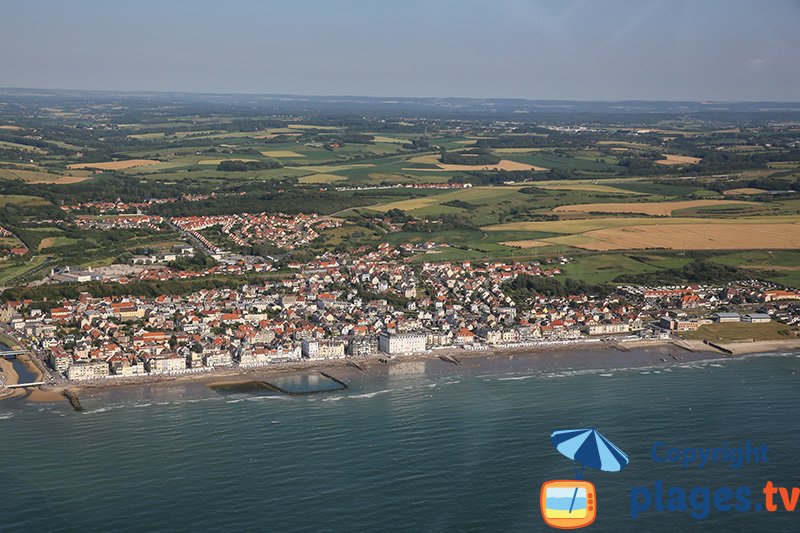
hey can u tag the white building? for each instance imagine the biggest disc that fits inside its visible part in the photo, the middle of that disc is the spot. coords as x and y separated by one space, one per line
213 358
608 329
88 370
402 343
166 364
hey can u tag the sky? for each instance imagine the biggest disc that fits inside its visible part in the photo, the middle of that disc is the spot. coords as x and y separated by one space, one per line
536 49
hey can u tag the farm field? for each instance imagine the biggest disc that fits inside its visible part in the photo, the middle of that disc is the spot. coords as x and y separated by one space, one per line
35 176
645 208
504 164
50 242
672 159
588 224
721 236
115 165
590 192
587 188
744 190
476 194
282 153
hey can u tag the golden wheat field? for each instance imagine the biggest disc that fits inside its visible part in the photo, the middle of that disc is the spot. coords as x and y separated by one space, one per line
724 236
526 244
645 208
588 224
504 164
116 165
672 159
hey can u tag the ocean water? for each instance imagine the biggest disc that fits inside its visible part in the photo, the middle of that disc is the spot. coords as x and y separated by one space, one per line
423 446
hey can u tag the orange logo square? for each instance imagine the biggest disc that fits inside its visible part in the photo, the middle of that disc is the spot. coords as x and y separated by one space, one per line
568 504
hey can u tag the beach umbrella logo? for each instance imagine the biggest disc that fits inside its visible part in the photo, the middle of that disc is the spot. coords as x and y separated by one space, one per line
572 503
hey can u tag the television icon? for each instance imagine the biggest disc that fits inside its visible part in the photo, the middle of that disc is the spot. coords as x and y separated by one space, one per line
568 504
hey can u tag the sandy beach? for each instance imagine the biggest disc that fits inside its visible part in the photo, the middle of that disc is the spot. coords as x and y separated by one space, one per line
9 376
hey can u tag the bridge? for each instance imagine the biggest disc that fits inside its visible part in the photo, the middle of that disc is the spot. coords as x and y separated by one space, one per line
23 385
12 354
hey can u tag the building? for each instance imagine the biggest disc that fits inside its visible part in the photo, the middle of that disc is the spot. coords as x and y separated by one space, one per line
464 336
361 346
74 275
756 318
213 358
88 370
681 324
608 329
726 317
325 349
166 364
59 359
183 249
402 343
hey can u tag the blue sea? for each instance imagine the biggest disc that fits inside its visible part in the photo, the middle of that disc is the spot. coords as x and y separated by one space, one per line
418 446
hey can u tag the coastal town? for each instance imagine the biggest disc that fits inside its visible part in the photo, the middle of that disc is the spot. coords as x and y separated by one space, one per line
366 305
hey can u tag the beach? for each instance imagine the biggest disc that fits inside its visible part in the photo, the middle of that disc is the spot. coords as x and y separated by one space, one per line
588 355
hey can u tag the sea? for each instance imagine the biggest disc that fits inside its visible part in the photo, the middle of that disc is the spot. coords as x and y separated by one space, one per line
416 446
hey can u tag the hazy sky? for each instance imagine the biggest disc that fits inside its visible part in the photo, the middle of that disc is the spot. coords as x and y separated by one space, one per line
564 49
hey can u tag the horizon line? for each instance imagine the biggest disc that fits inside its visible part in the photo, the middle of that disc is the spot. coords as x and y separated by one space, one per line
707 101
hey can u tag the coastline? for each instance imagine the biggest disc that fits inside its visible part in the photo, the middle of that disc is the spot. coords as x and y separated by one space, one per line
596 355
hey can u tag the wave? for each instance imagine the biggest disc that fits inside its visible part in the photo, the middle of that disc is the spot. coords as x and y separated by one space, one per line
370 394
102 409
516 378
260 398
6 416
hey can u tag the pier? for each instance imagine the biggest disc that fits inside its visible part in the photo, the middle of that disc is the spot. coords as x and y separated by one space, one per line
683 345
73 399
450 359
718 347
356 365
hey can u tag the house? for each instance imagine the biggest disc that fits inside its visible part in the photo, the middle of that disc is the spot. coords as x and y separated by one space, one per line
464 336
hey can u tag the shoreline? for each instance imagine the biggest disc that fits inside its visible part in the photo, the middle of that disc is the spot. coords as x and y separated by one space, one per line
560 355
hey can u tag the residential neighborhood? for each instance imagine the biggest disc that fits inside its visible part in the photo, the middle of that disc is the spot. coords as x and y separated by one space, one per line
360 306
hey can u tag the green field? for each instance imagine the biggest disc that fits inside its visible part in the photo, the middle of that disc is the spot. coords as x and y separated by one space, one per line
22 200
739 331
